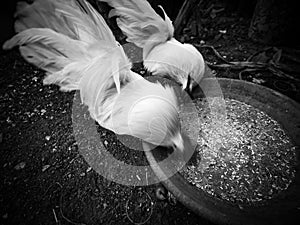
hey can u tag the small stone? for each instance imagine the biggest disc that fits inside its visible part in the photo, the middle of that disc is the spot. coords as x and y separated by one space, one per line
43 111
258 81
47 138
89 169
105 142
20 166
161 193
45 167
82 174
105 205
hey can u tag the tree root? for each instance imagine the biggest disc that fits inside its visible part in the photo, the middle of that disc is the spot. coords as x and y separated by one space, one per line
248 66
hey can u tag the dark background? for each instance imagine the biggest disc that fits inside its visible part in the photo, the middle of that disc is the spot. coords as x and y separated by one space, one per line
6 21
283 13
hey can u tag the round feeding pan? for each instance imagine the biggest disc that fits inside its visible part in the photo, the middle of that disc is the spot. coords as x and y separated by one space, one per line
282 209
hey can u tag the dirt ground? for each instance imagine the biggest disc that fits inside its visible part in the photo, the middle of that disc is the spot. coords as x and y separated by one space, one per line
44 178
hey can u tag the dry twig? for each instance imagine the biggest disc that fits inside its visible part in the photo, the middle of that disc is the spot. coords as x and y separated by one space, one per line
55 217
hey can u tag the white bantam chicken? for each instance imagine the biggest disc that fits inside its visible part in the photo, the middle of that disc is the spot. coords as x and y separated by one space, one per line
73 44
163 55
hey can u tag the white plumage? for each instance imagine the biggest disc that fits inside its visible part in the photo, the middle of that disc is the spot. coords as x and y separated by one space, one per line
163 55
74 45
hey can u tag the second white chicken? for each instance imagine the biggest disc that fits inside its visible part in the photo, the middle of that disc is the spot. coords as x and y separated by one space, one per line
163 55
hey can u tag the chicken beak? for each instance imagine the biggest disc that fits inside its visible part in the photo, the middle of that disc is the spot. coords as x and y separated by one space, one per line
178 143
191 87
183 147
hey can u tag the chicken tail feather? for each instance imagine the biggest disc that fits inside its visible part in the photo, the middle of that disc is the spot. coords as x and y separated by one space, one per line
62 37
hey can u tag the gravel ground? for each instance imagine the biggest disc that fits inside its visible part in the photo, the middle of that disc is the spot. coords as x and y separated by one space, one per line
46 180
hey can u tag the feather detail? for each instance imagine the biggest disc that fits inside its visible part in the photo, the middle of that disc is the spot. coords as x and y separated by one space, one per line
46 48
163 55
152 115
76 19
140 23
168 21
177 61
62 37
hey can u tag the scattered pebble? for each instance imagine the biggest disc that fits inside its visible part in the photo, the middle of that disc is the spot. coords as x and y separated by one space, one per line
45 167
105 143
89 169
258 81
47 138
105 205
20 166
43 111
